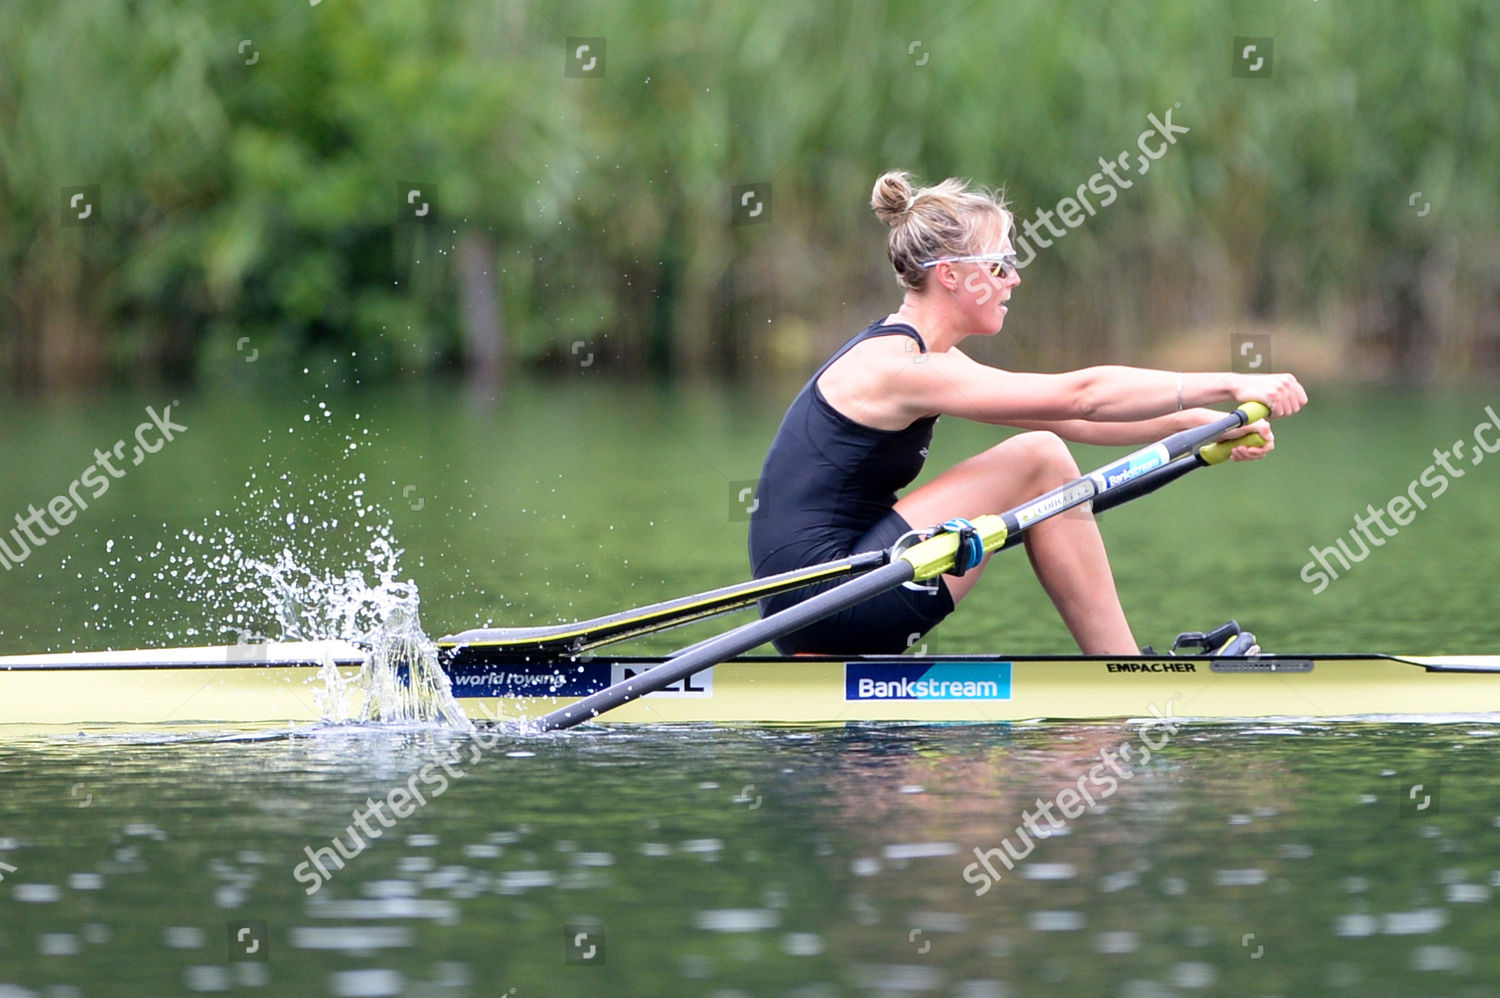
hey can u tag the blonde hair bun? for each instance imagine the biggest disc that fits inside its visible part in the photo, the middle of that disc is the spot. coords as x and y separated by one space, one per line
893 197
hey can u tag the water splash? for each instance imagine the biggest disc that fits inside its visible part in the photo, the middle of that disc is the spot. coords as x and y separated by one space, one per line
401 679
294 599
298 558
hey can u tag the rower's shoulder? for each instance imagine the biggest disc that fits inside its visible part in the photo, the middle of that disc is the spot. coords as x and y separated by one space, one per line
875 360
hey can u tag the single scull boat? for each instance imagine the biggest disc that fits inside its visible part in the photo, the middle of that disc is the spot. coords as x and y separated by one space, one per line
278 683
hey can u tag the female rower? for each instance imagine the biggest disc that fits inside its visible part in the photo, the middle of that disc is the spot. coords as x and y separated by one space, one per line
858 433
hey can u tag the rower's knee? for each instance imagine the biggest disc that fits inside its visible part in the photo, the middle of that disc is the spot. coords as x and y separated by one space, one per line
1047 455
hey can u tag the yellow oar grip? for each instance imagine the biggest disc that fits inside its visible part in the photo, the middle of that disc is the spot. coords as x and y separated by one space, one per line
1218 451
1254 411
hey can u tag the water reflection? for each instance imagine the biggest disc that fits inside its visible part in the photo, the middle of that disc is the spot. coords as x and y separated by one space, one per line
717 861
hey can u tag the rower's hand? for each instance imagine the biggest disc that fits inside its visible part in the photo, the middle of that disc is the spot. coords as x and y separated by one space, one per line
1246 452
1281 392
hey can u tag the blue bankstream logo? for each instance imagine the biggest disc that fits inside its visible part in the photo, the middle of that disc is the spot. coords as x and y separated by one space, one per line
1131 467
927 681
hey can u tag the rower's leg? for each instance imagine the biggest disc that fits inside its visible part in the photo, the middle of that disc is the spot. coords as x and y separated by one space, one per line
1066 551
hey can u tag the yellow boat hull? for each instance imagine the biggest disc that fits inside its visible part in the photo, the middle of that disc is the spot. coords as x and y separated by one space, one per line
281 684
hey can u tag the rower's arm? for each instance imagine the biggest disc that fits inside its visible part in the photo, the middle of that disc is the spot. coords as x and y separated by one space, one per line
952 384
1142 431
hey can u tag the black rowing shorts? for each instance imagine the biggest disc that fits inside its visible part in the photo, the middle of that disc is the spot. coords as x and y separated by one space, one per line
888 624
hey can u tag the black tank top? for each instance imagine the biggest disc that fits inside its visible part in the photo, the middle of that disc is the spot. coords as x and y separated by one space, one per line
828 479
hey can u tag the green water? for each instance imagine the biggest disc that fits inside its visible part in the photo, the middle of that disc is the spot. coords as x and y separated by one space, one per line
1248 859
584 496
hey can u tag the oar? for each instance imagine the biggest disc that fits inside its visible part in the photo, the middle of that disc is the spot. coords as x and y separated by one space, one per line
924 560
578 636
1212 453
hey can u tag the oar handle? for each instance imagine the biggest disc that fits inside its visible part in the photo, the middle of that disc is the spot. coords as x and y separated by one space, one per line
937 554
1184 441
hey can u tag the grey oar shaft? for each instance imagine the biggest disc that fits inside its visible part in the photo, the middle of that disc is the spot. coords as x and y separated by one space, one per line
1134 489
732 643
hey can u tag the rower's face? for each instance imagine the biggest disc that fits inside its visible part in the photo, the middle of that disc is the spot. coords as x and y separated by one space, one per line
984 287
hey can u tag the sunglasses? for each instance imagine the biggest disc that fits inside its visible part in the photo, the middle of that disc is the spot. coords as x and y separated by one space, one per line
1000 265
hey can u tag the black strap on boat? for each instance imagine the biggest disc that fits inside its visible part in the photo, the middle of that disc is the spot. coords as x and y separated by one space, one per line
1206 642
1227 639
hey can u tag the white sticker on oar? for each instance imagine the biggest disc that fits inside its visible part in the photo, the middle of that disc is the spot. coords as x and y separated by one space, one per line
1134 466
699 684
1049 504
